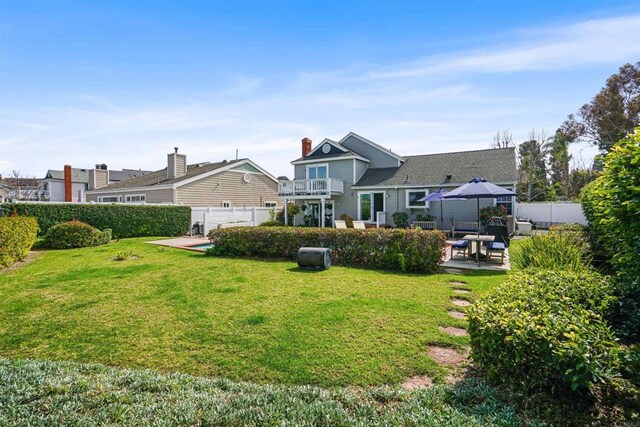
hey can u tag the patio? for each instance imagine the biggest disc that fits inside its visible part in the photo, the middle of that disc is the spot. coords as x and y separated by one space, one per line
459 263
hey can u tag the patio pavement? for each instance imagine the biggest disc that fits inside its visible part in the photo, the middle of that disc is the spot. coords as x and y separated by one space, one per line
182 242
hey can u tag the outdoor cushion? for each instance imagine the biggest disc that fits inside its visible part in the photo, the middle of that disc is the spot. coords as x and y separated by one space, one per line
461 244
497 246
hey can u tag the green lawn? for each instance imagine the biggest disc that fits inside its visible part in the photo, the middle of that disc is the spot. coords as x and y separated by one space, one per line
268 322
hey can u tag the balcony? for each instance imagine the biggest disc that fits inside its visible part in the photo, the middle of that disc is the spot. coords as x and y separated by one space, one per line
309 188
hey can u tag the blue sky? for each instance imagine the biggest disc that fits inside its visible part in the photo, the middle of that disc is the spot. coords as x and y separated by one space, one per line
122 83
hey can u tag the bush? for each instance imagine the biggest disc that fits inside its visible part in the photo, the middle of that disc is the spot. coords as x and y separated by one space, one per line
553 251
403 250
489 212
273 223
292 210
545 330
125 221
401 219
124 255
425 217
17 236
611 205
75 234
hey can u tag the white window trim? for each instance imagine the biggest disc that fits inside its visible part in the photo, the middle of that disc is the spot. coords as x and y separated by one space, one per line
384 203
274 204
513 203
227 203
415 190
128 197
315 166
118 199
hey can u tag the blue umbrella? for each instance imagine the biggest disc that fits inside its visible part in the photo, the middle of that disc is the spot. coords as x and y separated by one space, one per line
438 196
478 188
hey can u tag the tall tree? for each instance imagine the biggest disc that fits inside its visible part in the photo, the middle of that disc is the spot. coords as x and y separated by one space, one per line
559 159
502 139
533 185
611 114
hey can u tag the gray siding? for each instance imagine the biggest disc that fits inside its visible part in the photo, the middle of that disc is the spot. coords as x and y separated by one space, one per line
378 158
361 168
181 164
151 196
229 186
299 171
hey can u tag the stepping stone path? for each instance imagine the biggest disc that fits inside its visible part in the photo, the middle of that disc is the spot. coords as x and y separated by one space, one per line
417 382
460 302
456 332
457 314
457 283
446 355
461 291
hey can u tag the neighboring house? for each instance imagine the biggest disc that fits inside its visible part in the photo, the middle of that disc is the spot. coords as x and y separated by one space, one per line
234 183
57 189
357 177
23 189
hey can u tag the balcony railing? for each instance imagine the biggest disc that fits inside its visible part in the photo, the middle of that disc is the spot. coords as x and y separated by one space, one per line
311 187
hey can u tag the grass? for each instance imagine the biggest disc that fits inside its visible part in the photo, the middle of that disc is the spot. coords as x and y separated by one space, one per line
249 320
43 393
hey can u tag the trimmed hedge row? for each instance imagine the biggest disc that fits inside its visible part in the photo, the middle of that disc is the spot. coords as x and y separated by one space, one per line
75 234
611 205
403 250
545 330
124 221
17 236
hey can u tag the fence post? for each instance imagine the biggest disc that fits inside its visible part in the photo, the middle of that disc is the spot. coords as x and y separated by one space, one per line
254 217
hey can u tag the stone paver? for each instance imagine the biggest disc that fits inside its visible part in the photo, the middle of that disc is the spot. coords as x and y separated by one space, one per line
456 332
417 382
460 302
457 314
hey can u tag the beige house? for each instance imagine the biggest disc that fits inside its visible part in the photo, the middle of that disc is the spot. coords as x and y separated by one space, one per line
233 183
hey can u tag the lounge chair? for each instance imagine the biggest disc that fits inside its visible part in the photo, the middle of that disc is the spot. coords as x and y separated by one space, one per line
359 225
461 247
340 224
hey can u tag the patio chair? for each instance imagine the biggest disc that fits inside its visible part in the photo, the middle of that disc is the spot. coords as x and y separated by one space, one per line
496 247
461 247
359 225
340 224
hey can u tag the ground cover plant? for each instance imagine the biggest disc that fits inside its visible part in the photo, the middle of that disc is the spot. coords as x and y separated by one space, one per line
402 250
265 321
553 251
17 236
124 221
62 393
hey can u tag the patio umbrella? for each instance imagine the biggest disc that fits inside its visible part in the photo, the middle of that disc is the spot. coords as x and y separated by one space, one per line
438 196
478 188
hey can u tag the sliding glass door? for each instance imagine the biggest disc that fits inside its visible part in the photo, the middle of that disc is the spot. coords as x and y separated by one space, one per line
369 205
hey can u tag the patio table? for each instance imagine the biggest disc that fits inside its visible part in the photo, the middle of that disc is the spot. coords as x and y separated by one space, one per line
478 239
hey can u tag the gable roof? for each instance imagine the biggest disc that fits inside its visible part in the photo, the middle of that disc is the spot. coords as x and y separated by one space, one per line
495 165
372 144
77 175
194 171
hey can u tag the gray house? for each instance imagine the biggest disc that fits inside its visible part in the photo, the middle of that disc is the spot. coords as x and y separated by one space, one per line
357 177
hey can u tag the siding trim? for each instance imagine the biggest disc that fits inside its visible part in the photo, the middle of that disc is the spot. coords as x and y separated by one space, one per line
420 186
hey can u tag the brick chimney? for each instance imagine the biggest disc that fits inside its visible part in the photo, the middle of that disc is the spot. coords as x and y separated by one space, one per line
67 184
176 164
306 146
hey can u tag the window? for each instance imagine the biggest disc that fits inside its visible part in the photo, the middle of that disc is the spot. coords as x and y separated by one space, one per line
226 204
135 198
369 204
270 204
317 171
109 199
412 199
507 202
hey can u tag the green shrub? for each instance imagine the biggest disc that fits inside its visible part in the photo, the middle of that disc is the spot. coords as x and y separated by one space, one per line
348 220
75 234
124 221
401 219
489 212
425 217
124 255
271 224
545 330
553 251
17 236
403 250
292 210
611 205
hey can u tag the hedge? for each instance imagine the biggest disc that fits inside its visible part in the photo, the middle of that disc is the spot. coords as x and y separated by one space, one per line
124 221
611 205
75 234
17 236
545 330
403 250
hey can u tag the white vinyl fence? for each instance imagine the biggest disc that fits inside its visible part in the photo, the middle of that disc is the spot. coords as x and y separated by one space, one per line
229 217
551 213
